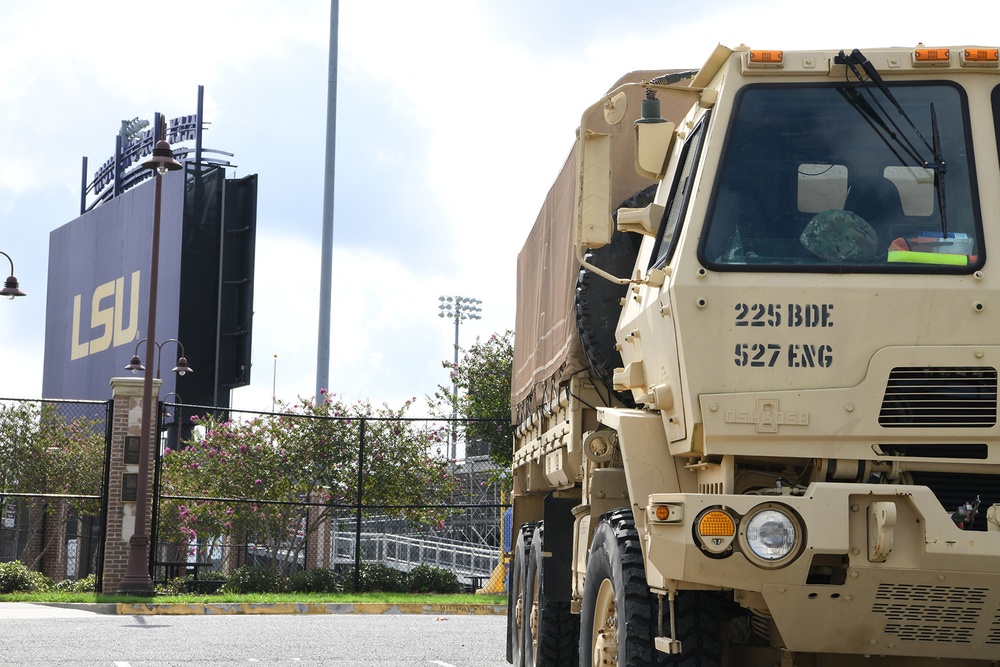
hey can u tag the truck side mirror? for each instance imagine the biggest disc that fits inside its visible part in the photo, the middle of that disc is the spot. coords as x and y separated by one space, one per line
641 220
652 146
594 225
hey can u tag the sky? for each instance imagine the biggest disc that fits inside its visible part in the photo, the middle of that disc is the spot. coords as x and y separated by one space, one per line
453 119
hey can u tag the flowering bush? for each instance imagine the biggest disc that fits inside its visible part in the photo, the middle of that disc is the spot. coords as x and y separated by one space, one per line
264 468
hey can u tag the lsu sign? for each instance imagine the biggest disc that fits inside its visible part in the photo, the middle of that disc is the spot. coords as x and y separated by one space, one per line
114 309
98 290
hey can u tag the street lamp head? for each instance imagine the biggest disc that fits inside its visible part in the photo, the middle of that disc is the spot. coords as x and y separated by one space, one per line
162 159
182 367
11 288
135 365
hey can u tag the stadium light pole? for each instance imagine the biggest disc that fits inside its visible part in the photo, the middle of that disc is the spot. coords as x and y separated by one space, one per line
137 580
10 288
458 308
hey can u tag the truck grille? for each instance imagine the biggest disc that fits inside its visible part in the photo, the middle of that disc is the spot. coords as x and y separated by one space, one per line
931 613
942 397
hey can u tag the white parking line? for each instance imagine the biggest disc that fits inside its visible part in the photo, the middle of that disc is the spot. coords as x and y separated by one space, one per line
441 664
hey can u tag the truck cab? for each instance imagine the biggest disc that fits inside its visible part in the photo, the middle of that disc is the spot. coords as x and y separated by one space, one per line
789 441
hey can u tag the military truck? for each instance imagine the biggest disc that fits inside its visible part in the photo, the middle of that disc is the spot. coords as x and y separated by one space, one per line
755 369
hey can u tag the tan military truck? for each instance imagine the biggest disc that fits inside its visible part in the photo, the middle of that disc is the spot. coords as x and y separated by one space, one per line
755 369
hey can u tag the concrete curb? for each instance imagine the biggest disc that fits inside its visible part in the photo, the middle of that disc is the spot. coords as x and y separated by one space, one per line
94 607
232 608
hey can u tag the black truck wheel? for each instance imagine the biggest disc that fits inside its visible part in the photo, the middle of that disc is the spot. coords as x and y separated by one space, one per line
618 621
516 577
551 636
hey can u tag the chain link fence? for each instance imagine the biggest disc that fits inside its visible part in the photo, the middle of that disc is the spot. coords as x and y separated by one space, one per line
287 492
53 491
368 491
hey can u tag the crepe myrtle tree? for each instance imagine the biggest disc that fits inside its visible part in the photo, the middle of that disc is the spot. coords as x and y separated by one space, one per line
44 449
304 452
483 381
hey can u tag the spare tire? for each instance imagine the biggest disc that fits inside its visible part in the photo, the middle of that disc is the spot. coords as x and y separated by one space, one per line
597 299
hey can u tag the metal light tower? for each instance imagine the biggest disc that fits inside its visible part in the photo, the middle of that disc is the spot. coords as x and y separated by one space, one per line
458 308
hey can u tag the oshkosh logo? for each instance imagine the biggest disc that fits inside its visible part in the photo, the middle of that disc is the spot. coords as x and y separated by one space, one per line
767 418
107 316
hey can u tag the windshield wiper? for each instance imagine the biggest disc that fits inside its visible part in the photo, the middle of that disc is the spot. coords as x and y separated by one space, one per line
939 169
882 118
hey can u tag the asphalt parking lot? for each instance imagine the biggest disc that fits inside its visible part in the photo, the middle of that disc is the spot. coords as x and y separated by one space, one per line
50 636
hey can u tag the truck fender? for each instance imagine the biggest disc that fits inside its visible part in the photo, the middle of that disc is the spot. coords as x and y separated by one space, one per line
557 547
649 467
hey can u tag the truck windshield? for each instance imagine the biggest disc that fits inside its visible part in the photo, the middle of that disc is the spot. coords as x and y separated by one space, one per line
812 178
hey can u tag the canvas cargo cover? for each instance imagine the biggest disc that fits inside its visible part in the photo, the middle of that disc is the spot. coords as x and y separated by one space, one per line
547 347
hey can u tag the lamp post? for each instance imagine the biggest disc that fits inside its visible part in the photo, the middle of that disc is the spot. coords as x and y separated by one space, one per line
182 364
458 308
10 287
136 579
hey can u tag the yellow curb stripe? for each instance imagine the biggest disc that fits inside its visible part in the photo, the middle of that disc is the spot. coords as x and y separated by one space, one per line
221 608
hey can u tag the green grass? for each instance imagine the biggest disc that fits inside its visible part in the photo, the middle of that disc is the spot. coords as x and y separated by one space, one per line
263 598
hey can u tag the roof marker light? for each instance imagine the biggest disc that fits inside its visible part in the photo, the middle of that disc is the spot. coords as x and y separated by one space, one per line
926 56
980 57
765 58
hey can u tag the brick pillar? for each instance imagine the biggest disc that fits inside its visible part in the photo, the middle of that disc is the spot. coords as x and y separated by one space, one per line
31 556
126 420
318 547
54 560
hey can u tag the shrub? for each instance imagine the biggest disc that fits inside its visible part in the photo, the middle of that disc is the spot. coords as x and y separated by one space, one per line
316 580
248 579
427 579
170 587
15 577
378 578
86 585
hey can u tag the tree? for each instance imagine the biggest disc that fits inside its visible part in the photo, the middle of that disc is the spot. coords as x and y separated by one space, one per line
45 451
270 465
483 380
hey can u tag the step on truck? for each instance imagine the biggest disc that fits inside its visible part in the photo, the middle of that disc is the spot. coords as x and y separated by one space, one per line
755 369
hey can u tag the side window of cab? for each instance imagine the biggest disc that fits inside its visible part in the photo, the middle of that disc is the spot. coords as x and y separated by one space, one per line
680 195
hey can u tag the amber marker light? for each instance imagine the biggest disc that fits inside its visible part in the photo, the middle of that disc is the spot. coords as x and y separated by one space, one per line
931 56
982 55
715 530
765 57
716 523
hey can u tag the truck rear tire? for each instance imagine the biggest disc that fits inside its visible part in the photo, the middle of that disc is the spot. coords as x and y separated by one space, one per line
515 594
618 621
551 632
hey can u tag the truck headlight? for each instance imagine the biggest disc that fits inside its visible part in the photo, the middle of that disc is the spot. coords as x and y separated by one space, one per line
771 535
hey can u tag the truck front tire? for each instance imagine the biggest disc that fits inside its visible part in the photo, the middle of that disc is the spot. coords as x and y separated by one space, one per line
618 621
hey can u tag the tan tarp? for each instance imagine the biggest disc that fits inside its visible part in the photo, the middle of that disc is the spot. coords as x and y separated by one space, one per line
547 348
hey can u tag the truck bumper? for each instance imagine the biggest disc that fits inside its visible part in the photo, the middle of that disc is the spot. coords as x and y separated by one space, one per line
877 570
